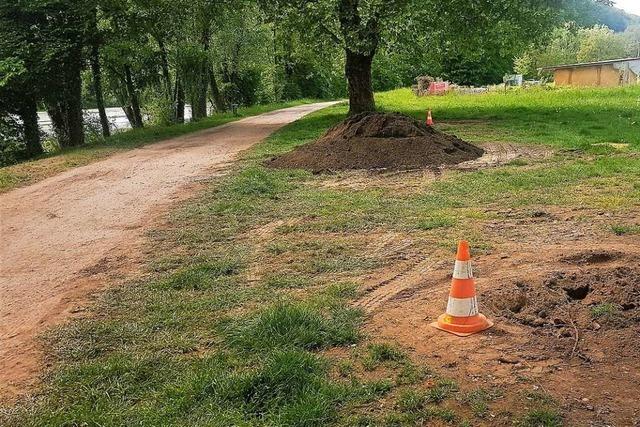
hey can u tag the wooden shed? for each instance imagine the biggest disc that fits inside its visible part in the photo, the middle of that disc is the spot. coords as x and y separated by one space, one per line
615 72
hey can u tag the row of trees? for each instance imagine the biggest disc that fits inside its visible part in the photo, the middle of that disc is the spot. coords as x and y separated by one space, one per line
152 57
571 44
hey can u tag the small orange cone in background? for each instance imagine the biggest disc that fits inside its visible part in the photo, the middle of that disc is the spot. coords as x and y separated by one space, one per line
429 119
462 317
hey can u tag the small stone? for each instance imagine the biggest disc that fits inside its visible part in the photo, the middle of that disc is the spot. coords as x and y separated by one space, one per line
512 360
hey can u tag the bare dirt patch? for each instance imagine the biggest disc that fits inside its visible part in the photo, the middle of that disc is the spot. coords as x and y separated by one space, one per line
566 309
65 237
379 141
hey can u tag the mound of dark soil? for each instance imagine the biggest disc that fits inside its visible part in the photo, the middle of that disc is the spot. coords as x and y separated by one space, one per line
378 141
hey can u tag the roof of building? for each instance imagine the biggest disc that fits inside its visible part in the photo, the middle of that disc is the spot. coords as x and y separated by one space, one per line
590 64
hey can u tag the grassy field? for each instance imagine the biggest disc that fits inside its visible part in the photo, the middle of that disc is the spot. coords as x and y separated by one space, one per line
245 314
32 171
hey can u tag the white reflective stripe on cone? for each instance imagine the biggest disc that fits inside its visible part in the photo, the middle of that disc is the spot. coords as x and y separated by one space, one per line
462 307
463 270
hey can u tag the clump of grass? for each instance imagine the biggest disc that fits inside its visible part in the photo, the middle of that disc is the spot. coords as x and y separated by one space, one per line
289 324
340 263
479 400
411 374
443 389
286 281
385 352
541 418
445 414
435 222
540 397
378 353
369 391
345 368
411 401
606 309
257 181
200 276
622 230
290 388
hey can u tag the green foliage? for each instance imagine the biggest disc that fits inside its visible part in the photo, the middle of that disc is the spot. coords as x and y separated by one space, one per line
541 418
294 325
621 230
600 43
570 44
201 276
605 310
12 145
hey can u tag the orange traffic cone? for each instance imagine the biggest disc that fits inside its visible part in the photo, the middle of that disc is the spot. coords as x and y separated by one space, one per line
429 119
462 317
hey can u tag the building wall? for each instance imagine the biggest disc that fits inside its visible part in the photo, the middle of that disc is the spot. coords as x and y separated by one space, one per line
597 75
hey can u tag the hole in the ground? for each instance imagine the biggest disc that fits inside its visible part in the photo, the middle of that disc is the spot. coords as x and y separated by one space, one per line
517 304
628 306
578 292
592 257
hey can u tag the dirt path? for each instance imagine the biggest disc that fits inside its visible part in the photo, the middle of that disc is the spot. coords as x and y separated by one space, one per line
60 234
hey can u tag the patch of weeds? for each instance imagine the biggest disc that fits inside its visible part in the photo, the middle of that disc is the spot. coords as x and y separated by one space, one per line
606 309
541 418
443 389
290 324
257 181
518 162
345 368
410 400
411 374
359 421
285 375
379 353
445 414
341 291
399 420
539 397
479 400
285 281
369 391
623 230
435 222
277 248
200 276
290 388
340 264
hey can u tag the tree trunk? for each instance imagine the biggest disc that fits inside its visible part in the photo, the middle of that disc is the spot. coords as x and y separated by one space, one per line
165 66
199 102
358 72
179 100
97 87
133 98
29 115
218 101
66 109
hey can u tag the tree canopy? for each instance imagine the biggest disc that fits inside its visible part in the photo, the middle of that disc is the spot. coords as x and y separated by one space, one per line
155 58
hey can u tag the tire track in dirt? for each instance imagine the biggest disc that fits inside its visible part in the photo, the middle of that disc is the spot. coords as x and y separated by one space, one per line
412 277
92 219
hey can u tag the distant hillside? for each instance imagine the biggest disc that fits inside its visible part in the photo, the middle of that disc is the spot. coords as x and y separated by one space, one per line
588 13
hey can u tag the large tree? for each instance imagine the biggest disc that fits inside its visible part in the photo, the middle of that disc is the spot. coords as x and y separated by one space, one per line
361 27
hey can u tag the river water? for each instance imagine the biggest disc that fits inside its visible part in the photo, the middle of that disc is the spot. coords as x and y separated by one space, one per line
117 119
